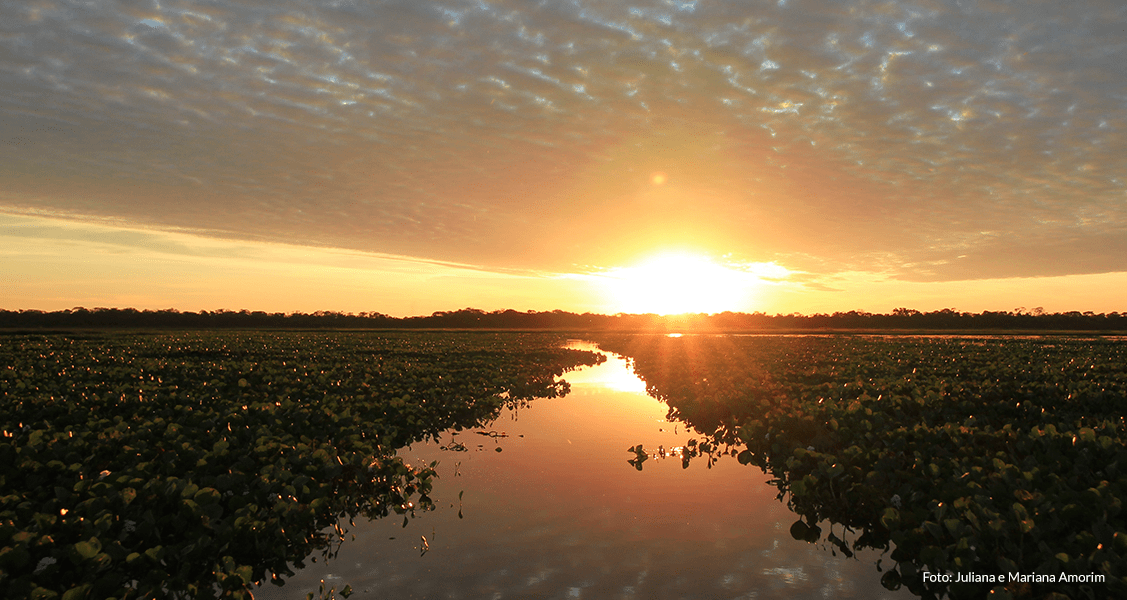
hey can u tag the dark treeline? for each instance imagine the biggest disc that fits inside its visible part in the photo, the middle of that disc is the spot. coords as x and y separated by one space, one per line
470 318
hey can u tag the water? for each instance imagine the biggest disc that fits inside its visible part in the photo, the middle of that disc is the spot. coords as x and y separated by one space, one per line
559 513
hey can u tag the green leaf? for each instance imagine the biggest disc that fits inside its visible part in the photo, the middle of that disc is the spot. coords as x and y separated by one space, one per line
88 549
43 594
746 457
934 529
77 593
891 580
1023 518
891 518
14 558
799 530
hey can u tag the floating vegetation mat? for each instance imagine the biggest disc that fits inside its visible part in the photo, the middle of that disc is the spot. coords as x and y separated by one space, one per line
195 465
991 466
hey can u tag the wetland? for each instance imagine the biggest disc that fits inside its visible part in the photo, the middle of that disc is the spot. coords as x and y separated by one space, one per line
493 465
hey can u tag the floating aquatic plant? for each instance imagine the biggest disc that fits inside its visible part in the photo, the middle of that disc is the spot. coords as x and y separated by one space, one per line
149 465
989 455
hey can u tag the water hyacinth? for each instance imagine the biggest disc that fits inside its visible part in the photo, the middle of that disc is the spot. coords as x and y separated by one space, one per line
968 454
180 463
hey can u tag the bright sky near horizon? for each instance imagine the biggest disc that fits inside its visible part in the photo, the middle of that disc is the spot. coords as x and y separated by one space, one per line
409 156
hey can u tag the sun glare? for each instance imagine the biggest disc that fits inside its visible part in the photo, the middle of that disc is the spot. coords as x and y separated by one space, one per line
676 283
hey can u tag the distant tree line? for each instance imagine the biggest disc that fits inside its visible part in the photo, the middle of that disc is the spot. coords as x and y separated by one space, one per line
471 318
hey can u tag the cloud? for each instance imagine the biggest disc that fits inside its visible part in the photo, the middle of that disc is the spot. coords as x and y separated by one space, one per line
523 135
1090 253
52 263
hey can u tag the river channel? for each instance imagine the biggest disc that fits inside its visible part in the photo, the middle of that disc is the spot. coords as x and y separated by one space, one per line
543 504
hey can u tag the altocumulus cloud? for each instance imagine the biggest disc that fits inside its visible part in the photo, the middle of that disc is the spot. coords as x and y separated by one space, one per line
930 140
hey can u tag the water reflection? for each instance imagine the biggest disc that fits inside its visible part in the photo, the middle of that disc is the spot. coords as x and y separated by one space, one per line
558 513
614 374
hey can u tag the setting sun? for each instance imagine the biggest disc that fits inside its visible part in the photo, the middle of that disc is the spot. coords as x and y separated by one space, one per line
674 283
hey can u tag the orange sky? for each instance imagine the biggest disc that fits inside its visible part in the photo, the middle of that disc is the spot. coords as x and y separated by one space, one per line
411 157
51 264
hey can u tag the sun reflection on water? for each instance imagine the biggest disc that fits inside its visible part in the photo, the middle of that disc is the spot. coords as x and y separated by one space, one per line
564 511
614 374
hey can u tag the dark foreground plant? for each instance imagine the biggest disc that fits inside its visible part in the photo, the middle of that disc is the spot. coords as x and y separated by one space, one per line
1001 459
197 465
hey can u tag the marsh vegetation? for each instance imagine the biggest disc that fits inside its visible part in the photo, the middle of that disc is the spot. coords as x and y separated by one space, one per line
202 463
135 466
996 456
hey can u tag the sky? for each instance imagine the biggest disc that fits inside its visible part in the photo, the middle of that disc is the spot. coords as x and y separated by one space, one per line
406 157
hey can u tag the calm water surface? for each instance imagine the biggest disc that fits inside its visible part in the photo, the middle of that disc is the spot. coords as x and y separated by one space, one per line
559 513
